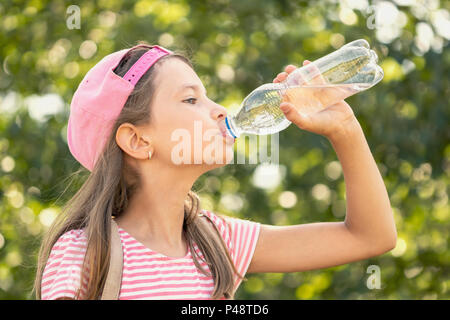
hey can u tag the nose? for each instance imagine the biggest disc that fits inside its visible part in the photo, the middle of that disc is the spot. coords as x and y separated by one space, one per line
218 112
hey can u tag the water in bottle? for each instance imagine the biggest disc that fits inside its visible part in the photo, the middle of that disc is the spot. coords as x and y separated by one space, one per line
311 88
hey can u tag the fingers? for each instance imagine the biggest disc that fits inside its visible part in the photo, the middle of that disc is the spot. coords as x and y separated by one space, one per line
317 76
301 80
283 75
290 68
291 113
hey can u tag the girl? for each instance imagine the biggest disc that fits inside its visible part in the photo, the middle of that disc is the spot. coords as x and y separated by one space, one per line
129 106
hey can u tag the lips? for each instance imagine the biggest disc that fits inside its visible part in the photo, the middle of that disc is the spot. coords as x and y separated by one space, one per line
223 129
225 132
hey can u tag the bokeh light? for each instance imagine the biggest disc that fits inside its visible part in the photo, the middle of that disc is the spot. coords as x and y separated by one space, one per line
236 48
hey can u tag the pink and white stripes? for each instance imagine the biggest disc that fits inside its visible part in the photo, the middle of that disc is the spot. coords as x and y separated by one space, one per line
148 274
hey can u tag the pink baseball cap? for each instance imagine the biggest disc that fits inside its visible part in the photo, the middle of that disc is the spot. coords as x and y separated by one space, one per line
98 101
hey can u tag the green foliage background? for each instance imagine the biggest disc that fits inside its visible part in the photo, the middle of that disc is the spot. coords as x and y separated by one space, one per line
236 46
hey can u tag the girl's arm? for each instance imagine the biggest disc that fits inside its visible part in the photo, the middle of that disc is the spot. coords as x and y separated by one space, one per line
368 230
369 214
369 227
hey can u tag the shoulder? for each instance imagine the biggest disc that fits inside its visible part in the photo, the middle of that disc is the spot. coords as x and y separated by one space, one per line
62 272
221 224
231 223
238 233
73 242
240 236
217 219
75 236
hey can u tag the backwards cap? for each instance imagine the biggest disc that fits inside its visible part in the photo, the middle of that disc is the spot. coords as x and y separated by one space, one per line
98 101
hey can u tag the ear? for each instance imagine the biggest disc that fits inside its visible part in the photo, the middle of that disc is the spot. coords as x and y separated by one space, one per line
133 141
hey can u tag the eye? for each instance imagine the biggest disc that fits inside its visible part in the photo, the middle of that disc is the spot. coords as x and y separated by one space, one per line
190 99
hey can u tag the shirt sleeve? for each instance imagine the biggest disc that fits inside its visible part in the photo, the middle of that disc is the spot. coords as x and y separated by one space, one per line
240 236
62 272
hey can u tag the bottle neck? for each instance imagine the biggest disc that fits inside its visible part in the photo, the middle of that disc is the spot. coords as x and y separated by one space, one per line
231 128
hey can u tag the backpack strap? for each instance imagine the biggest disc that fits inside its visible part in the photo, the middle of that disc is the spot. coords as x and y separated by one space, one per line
114 277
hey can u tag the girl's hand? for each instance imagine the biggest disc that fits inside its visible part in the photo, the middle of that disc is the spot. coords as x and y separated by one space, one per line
332 122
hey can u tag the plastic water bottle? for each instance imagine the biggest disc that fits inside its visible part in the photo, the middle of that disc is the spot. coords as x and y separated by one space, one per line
310 88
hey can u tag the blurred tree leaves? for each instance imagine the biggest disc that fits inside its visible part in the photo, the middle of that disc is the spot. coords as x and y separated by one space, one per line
237 46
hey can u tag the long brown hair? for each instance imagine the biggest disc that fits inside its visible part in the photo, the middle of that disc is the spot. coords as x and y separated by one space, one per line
106 193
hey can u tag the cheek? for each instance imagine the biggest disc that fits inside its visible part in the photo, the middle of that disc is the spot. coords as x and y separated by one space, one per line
191 138
176 133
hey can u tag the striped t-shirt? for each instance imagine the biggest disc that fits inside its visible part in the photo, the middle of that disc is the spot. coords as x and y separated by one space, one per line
148 274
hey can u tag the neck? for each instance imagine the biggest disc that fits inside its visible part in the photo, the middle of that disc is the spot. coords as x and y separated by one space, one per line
155 213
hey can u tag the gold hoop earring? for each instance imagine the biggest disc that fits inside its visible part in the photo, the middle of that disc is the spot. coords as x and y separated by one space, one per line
149 155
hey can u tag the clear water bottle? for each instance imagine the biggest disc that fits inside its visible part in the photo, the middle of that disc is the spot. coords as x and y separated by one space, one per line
310 88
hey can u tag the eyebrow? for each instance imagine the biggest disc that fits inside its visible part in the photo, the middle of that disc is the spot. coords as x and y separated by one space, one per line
192 86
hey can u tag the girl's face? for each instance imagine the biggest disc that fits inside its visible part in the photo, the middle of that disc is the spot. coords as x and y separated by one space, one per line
186 126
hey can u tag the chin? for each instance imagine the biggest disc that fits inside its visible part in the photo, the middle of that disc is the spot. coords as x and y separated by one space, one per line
220 161
219 153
